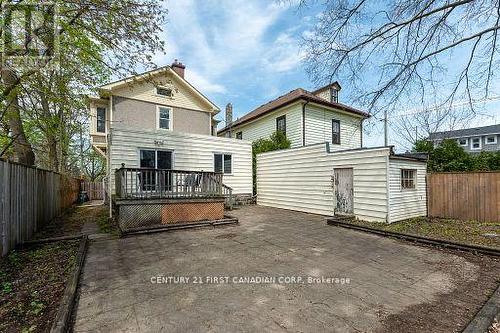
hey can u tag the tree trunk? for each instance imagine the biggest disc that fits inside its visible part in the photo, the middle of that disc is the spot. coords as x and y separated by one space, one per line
51 131
22 148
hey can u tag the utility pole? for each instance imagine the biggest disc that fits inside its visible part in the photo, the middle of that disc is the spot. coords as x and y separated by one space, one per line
386 139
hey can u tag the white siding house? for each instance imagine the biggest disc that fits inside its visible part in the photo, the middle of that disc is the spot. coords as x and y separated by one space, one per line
318 127
265 126
307 118
156 122
303 179
192 152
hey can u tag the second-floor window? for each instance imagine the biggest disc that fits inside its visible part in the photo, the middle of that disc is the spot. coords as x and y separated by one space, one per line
101 120
336 131
475 143
164 118
462 142
281 124
239 135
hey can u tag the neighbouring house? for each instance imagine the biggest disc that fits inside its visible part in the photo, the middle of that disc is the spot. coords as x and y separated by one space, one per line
327 171
157 133
472 140
305 117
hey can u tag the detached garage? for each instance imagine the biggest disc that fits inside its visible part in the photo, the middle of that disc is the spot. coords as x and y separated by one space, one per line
373 184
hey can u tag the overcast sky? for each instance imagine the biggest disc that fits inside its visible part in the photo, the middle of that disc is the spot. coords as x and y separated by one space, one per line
249 52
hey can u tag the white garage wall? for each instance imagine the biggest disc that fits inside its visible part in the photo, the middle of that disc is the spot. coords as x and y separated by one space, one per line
190 152
405 204
300 179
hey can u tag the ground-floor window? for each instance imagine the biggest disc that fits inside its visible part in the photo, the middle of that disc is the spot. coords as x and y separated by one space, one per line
223 163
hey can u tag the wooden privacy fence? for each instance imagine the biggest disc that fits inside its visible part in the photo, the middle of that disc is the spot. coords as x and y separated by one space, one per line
95 190
29 199
465 196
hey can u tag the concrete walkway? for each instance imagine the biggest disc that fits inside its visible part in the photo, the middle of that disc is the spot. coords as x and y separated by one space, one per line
201 280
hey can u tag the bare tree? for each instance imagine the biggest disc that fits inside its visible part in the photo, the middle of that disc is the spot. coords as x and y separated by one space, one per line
95 40
404 54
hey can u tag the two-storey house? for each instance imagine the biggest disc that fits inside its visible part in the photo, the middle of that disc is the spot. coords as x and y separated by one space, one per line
305 117
472 140
327 170
156 131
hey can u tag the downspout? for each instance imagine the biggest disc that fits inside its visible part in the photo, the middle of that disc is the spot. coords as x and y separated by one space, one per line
361 134
304 123
109 156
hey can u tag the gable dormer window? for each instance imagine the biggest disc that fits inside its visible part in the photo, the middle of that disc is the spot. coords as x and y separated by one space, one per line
334 95
162 91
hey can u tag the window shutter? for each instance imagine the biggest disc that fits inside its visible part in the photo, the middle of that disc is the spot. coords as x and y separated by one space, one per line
227 164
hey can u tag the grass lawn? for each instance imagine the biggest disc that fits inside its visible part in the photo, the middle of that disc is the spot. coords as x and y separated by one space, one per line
468 232
32 282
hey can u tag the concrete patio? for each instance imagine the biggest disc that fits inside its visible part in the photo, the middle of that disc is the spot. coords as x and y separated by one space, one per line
382 285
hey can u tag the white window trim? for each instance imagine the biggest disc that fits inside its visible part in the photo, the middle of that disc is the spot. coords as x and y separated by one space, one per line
105 120
491 143
465 144
156 150
163 96
171 118
415 178
472 143
232 164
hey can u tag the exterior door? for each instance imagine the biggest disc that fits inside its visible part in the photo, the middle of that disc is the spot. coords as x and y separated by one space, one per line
344 191
154 159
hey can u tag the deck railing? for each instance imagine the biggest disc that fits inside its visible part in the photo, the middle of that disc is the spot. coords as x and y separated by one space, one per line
146 183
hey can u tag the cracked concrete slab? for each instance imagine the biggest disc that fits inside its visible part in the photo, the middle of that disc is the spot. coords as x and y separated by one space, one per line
382 282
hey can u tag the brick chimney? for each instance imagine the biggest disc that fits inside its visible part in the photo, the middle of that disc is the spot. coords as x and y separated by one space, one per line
229 114
178 67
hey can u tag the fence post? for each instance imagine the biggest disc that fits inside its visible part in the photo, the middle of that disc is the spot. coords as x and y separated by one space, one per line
4 192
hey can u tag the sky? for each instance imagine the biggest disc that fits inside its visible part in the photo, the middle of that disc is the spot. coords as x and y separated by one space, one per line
249 52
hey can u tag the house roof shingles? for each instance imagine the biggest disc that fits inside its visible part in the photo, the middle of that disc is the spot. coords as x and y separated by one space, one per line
289 98
467 132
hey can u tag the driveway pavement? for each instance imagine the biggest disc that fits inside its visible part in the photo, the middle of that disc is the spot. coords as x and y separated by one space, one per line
278 270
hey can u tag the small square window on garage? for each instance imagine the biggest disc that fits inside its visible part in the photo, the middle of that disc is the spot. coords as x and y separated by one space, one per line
408 178
223 163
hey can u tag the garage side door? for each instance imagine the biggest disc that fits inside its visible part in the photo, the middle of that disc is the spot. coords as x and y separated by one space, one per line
344 192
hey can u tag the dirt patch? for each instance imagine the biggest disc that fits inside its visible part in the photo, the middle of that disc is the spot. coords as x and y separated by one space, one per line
467 232
226 236
72 221
452 311
32 283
